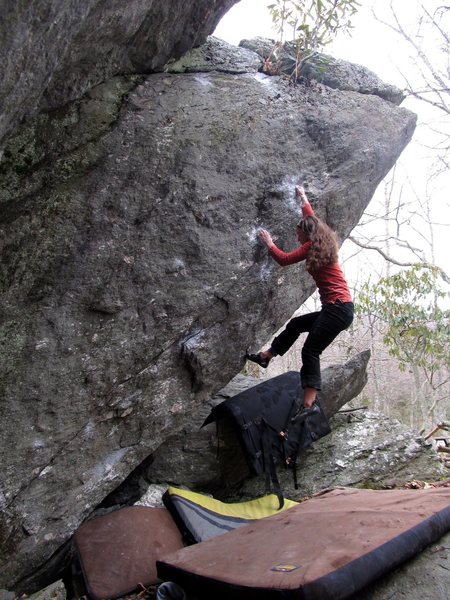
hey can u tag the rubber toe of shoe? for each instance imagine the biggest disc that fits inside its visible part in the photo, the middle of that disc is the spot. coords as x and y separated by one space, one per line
306 412
311 410
256 358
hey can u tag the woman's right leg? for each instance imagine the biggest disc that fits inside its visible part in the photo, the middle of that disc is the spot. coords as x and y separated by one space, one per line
309 396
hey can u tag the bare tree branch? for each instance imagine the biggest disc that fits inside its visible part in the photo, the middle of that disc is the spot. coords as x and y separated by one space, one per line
426 265
435 82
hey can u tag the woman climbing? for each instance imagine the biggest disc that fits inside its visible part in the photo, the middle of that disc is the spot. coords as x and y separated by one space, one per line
319 250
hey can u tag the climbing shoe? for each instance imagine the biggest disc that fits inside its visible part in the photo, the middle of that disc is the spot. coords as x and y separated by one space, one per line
304 413
256 358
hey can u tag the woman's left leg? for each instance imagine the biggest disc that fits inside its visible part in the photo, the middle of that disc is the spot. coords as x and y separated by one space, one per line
283 341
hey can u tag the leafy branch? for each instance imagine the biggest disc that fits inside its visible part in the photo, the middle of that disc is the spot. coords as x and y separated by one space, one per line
416 328
310 24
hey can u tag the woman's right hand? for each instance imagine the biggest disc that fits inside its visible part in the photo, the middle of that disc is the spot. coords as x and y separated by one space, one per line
300 193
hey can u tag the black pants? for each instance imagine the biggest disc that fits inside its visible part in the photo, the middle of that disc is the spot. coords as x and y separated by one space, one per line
323 326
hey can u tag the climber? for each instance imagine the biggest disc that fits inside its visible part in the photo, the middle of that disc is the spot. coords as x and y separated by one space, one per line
319 250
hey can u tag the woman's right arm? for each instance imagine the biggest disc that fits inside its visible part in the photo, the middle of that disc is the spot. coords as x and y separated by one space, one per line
306 208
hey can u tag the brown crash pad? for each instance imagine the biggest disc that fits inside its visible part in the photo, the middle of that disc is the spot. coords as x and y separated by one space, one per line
118 551
328 547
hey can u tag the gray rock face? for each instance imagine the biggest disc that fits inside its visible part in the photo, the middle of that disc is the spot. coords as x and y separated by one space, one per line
55 591
131 282
217 55
53 51
425 576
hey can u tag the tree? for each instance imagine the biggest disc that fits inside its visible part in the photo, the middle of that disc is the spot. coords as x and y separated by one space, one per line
416 331
313 24
428 79
404 227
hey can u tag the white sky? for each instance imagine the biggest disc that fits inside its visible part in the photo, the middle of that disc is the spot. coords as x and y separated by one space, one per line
373 45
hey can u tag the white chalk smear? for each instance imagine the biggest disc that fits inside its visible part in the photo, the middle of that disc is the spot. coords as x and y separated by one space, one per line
265 271
253 235
287 188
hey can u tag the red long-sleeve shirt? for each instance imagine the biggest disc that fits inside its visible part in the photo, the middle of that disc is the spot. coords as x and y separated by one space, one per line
329 279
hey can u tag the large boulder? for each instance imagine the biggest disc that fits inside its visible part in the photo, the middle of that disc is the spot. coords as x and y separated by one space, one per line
53 51
132 281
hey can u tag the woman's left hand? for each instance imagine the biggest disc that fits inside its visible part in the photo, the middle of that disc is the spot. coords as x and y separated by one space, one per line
265 237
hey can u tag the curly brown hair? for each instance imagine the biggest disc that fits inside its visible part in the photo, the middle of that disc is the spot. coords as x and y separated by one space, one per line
324 243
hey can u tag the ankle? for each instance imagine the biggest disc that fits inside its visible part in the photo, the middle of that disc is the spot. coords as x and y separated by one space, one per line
309 397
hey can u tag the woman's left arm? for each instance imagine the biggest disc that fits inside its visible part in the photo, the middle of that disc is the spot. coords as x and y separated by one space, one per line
281 257
289 258
265 237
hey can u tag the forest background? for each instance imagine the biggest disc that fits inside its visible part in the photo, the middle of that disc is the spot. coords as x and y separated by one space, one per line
396 259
